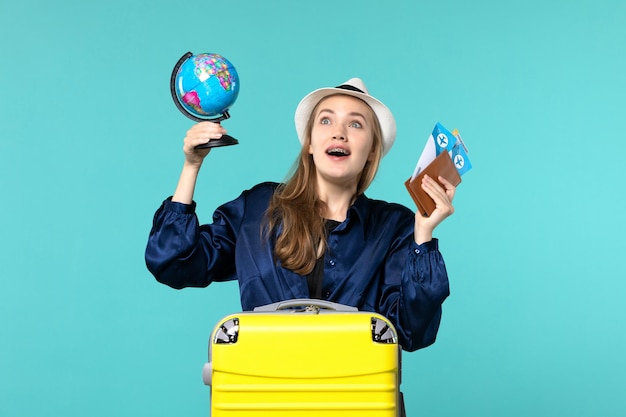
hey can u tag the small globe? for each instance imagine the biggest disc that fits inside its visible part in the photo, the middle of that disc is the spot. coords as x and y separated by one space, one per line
206 86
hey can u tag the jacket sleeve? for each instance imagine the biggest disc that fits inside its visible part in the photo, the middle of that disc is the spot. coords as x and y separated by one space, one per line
181 253
414 303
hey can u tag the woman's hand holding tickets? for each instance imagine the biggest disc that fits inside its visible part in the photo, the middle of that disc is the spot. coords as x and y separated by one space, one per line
442 196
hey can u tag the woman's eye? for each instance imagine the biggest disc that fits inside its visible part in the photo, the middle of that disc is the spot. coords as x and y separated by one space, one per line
325 121
356 125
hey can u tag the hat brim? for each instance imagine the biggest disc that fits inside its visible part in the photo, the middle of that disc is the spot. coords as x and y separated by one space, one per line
383 114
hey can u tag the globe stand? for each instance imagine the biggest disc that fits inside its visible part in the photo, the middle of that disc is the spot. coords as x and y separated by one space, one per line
225 140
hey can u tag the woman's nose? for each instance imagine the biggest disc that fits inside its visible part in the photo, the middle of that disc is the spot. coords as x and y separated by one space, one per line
339 135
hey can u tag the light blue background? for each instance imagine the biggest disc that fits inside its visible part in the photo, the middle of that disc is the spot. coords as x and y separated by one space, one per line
90 143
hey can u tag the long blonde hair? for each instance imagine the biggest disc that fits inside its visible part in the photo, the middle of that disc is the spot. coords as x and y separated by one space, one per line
295 214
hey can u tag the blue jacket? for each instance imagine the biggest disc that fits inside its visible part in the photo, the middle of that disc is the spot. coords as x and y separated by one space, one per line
372 261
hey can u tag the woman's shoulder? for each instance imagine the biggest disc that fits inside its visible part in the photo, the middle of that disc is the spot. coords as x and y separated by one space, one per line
259 193
251 201
267 187
383 214
381 206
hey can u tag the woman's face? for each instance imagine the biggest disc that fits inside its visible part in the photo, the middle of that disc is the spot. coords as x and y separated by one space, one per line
341 139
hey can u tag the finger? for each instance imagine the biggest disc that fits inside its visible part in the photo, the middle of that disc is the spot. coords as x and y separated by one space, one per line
445 182
450 189
203 134
206 128
441 197
432 187
212 126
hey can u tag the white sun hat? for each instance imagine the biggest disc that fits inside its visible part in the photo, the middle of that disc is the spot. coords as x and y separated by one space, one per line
356 88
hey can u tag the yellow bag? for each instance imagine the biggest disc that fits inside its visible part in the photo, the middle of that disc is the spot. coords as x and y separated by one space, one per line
304 358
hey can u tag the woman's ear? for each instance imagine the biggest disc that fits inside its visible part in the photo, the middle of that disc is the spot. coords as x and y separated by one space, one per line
372 154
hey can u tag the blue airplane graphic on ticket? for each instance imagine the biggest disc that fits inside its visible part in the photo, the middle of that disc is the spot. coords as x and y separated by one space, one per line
442 140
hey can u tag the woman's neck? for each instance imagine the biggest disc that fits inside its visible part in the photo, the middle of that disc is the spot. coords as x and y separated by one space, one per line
337 201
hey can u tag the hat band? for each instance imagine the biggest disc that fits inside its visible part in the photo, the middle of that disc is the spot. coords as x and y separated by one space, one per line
351 88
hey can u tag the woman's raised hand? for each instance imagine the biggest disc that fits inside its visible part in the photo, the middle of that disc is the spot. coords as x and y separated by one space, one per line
199 134
442 196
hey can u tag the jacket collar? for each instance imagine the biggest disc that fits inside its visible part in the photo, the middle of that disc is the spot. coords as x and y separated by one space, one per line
358 215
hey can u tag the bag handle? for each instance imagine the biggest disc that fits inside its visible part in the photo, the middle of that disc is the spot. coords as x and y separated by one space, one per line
316 305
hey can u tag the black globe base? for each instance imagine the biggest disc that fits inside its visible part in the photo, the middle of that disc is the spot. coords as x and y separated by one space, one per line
225 140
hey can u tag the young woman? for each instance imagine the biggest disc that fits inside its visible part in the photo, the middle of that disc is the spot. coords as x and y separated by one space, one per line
317 235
